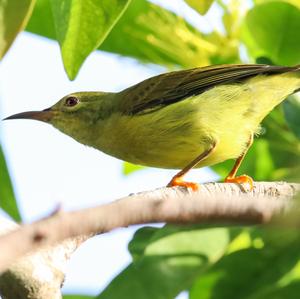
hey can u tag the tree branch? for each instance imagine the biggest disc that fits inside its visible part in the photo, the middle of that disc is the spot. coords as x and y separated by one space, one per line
39 275
217 203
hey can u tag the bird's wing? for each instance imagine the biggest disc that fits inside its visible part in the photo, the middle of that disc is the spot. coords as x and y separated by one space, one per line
162 90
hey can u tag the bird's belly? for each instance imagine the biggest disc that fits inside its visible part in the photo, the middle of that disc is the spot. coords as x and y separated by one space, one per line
175 135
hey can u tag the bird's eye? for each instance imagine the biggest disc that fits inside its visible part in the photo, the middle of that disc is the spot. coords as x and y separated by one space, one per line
71 101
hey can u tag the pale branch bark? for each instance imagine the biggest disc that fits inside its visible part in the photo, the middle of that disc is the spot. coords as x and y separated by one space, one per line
213 203
37 275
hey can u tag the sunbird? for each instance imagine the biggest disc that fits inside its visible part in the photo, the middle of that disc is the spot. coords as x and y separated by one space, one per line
180 120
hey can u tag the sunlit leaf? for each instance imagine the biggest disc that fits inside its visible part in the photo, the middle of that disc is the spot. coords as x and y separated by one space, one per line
162 37
7 198
202 6
129 168
14 15
81 26
272 30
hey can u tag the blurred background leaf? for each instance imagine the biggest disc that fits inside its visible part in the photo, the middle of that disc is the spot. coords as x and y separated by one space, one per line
166 261
129 168
291 108
14 15
272 30
7 198
202 6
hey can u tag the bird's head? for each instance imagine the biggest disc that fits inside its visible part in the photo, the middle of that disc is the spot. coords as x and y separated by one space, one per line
74 113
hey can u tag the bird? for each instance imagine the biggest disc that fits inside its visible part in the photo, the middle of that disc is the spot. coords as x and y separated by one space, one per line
182 119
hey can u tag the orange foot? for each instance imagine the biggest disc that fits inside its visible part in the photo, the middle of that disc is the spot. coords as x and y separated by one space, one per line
177 181
240 180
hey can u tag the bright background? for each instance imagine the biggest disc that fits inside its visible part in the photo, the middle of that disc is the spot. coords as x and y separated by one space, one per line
38 156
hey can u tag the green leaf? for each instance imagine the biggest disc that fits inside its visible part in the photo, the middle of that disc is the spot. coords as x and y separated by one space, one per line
202 6
291 108
258 162
293 2
7 198
166 261
14 15
253 272
41 21
81 26
162 37
272 30
129 168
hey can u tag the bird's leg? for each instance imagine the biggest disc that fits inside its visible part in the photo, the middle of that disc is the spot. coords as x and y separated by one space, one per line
177 179
231 178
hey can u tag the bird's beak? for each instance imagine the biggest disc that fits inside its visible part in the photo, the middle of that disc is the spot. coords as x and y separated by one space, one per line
44 115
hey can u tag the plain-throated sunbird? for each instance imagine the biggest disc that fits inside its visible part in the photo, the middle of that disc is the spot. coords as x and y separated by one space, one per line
182 119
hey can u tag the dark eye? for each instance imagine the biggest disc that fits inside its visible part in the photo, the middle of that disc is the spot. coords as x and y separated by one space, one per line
71 101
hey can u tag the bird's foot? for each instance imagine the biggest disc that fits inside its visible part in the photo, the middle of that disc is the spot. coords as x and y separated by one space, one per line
242 179
178 181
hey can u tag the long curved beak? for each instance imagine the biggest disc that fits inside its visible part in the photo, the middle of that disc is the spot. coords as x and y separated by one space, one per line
44 115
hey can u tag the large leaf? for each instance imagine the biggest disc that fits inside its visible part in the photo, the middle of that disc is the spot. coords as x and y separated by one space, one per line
254 272
272 30
14 15
202 6
7 198
153 34
81 26
166 260
293 2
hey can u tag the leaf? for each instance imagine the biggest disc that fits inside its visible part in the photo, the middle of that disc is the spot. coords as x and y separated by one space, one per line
162 37
41 21
293 2
166 260
81 26
253 272
14 15
129 168
202 6
258 162
7 198
291 108
272 30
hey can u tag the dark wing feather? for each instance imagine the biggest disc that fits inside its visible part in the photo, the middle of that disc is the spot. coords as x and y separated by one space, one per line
162 90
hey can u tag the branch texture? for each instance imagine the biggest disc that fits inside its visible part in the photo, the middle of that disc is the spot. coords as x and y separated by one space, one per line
217 203
37 275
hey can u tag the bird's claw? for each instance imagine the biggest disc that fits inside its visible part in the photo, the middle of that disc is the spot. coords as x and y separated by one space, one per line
242 179
178 181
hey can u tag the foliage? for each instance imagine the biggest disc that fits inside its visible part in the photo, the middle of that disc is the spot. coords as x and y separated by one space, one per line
7 198
209 262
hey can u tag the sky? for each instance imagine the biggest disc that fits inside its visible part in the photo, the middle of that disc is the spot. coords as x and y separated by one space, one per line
49 168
